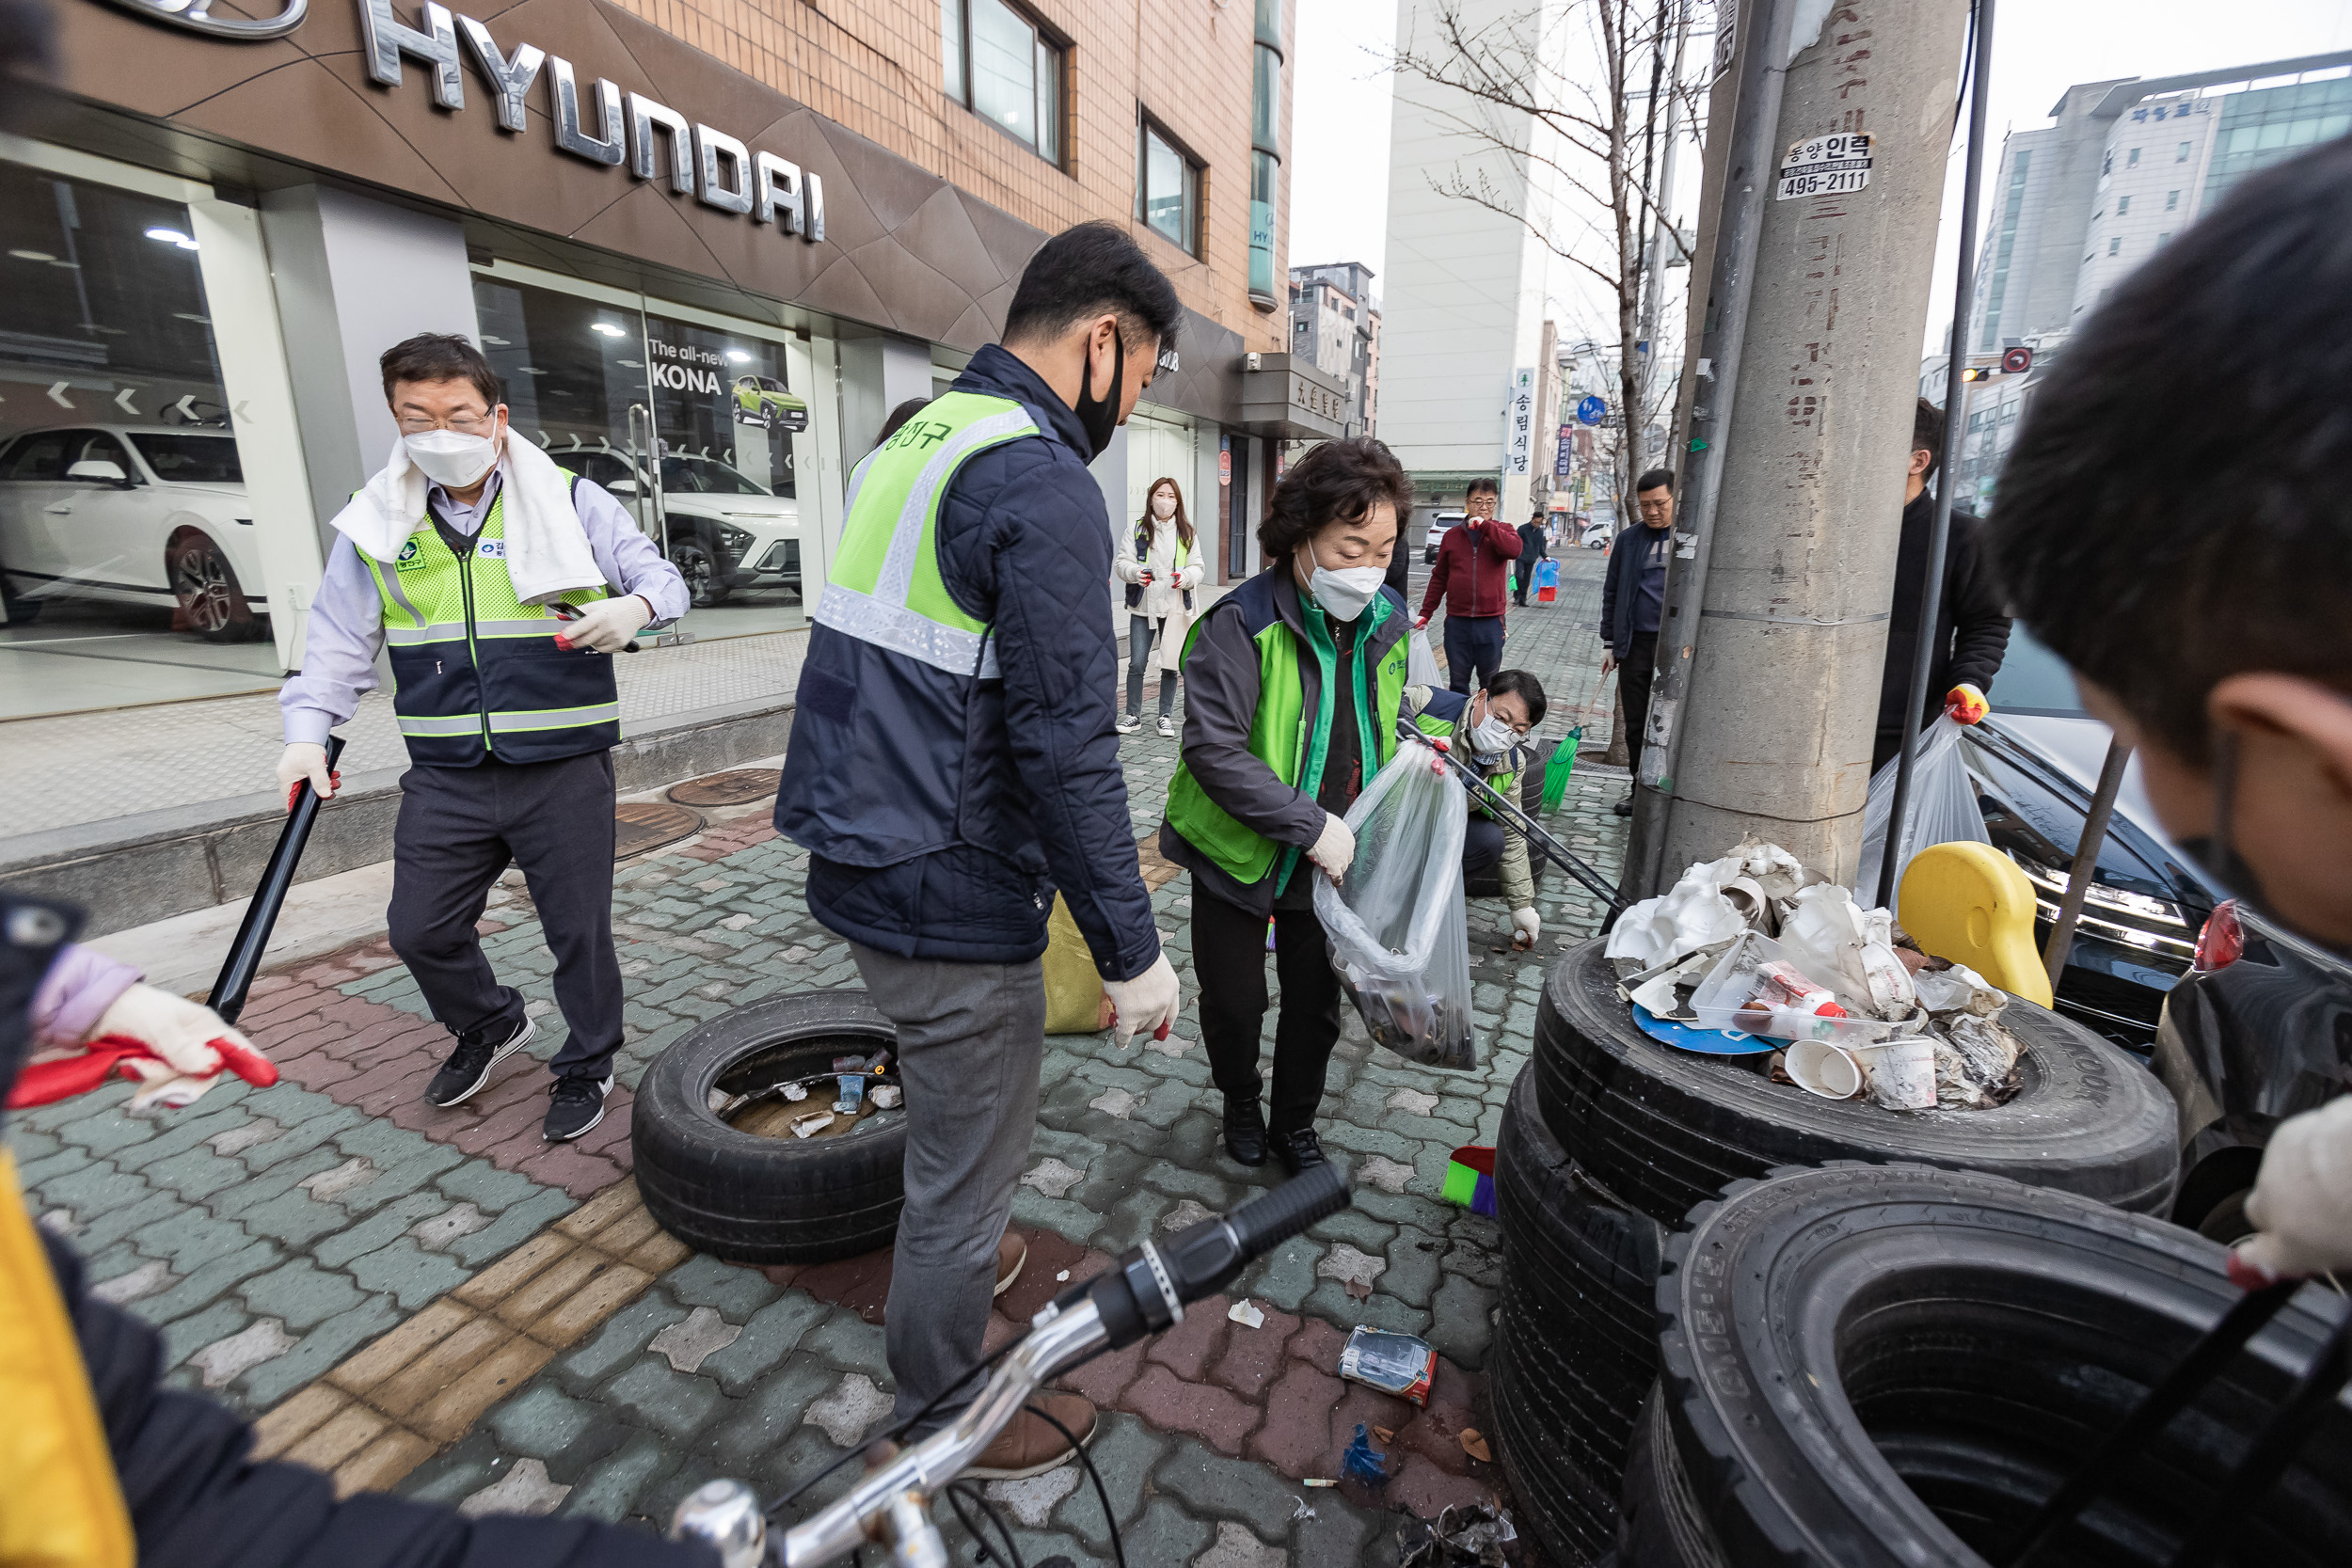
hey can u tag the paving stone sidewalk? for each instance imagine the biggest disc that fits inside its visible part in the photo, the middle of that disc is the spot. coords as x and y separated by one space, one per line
439 1304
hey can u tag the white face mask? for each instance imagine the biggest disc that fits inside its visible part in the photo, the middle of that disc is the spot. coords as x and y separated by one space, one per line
1163 506
452 459
1492 737
1343 593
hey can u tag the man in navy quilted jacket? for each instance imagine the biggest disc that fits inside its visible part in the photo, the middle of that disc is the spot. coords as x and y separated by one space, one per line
953 764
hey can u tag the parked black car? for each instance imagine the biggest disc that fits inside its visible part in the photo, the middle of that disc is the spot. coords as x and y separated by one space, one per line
2260 1030
2035 765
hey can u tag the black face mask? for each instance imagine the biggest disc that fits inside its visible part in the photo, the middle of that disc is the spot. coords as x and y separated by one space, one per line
1100 416
2213 851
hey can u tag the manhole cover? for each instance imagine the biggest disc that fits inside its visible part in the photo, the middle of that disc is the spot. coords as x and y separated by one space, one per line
739 787
643 825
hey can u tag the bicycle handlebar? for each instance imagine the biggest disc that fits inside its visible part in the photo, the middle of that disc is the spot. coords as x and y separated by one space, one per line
1144 1291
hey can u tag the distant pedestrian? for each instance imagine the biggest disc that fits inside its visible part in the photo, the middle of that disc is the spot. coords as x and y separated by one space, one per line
1158 571
1971 625
1533 548
1472 575
1633 602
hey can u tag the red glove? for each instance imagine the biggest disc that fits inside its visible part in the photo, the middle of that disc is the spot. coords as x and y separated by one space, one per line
1965 704
45 1083
1422 625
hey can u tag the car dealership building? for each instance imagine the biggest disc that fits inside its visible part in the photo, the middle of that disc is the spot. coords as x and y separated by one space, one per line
708 245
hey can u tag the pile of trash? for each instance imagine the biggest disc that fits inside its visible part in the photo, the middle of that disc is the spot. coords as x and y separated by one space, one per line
1754 946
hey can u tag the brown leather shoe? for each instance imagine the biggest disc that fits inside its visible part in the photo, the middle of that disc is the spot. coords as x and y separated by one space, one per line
1030 1446
1011 1252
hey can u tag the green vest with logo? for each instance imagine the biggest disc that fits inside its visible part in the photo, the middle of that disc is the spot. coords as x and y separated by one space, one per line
885 586
1505 784
477 672
1283 735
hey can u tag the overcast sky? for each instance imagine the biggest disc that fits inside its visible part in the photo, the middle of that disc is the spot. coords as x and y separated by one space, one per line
1338 162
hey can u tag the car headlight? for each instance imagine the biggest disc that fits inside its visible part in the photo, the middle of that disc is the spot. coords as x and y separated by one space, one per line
733 542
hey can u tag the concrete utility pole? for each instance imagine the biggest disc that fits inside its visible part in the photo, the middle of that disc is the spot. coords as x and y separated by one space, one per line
1770 659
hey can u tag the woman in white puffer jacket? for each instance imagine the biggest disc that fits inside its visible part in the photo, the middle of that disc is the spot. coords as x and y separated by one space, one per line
1160 574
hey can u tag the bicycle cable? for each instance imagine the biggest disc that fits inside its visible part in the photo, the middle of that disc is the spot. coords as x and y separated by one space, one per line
957 1497
1110 1519
898 1429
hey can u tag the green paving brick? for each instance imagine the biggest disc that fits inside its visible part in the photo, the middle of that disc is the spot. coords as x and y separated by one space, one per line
769 1336
542 1422
209 1282
320 1349
189 1334
1215 1487
378 1229
610 1488
678 1403
408 1273
300 1293
851 1344
486 1187
619 1342
518 1224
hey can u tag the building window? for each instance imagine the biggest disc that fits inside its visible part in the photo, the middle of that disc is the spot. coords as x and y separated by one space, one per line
1168 189
2115 246
2182 156
2122 205
1001 66
2171 202
2164 239
2131 158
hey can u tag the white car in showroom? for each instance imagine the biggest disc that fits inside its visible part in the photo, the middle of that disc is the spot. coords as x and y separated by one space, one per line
728 533
132 514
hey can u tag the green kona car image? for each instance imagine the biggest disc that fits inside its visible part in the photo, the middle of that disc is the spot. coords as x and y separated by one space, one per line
761 400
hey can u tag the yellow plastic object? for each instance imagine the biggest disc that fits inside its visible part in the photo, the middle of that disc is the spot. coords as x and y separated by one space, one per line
1075 1003
64 1508
1969 903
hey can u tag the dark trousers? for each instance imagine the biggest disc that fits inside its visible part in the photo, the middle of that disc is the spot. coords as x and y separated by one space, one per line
1523 574
1473 640
458 827
1482 846
1633 681
1228 954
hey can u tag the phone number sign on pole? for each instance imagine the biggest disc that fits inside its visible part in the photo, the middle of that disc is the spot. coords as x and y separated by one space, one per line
1825 166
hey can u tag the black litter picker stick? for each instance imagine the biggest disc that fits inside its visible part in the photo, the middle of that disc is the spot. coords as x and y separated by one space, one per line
1537 839
261 915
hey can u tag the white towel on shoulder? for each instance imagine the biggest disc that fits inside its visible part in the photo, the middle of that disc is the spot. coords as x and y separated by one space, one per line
546 548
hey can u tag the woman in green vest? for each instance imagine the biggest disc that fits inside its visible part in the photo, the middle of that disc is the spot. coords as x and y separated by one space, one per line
1157 568
1295 683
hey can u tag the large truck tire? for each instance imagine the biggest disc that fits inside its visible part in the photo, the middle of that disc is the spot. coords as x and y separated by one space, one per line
749 1198
1665 1130
1874 1366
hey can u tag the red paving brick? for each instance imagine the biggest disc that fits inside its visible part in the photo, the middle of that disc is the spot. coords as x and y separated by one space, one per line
1216 1416
1253 1357
1295 1436
1188 1346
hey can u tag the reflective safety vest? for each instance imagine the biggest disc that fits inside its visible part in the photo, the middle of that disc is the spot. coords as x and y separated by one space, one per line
885 586
1283 735
1143 555
477 672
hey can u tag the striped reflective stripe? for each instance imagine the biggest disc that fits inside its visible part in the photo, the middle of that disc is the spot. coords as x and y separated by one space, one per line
389 582
555 717
910 632
448 724
454 631
898 570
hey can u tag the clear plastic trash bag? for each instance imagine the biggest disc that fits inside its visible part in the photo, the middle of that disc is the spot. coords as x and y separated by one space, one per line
1421 665
1399 940
1942 810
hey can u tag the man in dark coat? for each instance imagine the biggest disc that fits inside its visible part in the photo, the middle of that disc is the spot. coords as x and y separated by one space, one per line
1531 549
1632 602
1972 623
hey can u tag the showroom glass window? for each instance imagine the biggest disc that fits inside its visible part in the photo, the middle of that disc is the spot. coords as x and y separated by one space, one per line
1167 188
107 361
1002 65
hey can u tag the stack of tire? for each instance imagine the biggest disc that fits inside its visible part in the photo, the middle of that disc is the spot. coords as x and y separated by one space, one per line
1610 1139
1872 1365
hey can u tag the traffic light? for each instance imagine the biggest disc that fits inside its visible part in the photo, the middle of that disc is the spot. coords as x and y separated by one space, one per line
1976 372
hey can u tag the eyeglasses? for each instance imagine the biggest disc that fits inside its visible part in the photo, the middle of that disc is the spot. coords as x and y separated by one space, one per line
463 424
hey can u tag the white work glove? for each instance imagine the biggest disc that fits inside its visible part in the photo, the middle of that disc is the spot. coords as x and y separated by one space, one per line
1527 925
181 1034
2302 1200
301 761
607 625
1334 848
1146 1005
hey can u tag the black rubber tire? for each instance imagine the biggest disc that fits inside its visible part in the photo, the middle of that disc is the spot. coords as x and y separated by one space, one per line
1576 1336
1660 1523
1664 1130
1893 1365
211 602
751 1200
705 583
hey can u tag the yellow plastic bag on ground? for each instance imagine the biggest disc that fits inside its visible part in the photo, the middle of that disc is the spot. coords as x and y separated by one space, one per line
1075 1003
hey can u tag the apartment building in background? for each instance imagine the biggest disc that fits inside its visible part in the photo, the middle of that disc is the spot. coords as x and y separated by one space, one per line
1335 320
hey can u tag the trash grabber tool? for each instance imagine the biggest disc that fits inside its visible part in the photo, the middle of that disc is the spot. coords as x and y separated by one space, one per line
245 954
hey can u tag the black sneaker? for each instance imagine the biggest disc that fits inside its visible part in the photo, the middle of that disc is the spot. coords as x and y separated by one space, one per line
1245 1128
469 1067
1301 1150
1624 807
577 1105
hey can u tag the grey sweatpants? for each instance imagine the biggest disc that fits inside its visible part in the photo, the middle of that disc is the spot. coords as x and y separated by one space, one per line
969 1041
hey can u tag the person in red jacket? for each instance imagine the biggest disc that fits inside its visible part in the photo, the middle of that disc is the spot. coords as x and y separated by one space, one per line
1473 575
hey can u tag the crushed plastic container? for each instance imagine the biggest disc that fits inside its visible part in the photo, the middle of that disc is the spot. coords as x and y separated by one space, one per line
1723 1001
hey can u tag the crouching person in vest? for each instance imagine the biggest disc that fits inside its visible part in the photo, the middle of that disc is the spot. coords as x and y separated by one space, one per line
1493 723
458 556
953 763
1295 682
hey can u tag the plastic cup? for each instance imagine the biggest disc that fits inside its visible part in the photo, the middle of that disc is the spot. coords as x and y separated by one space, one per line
1901 1074
1821 1068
